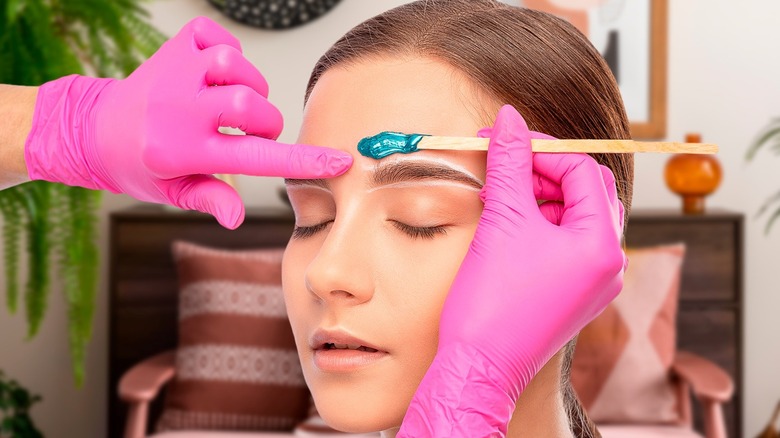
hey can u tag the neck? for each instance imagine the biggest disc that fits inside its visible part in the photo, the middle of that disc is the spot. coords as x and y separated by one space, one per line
540 410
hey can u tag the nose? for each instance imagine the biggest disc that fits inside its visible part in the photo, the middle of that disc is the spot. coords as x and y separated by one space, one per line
341 274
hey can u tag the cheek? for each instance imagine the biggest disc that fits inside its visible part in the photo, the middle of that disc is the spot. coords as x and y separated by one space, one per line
415 287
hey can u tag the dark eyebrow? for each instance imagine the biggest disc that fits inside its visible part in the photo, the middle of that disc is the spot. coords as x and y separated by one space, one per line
401 171
322 183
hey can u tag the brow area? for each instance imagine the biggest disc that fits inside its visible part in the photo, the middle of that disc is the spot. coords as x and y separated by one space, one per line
321 183
405 171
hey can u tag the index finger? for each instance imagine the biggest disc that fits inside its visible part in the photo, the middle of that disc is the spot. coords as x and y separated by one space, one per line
252 155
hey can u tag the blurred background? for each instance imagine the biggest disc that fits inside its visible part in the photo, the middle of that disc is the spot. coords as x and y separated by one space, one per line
722 83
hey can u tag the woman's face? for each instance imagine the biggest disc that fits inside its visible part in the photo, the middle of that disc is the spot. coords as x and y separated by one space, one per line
377 248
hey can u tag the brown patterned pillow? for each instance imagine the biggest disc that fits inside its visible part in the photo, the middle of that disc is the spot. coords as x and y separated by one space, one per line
236 363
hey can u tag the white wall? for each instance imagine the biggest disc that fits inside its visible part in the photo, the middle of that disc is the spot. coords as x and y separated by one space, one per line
724 81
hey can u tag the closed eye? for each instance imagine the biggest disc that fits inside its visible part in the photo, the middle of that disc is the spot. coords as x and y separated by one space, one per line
420 232
304 232
414 232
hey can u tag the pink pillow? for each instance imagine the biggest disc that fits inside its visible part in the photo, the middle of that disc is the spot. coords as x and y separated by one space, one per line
622 362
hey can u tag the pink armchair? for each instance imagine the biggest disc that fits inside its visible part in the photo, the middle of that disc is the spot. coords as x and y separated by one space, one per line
140 385
693 375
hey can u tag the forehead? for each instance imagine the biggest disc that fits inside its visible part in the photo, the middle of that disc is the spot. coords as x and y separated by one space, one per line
405 94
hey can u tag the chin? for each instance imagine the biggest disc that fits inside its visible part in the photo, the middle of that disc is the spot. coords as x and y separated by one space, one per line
345 423
352 410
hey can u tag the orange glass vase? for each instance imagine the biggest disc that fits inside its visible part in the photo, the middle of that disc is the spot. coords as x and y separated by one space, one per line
693 177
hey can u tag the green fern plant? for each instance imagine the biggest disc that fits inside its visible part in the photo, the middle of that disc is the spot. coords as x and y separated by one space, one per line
41 40
15 404
769 136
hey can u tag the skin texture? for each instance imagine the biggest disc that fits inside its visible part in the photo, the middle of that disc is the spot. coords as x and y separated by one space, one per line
16 106
362 273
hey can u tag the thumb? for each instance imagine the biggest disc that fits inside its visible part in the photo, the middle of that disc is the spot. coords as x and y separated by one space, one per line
208 194
552 211
509 163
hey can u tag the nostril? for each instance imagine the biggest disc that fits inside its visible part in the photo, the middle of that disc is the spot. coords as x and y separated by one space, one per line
341 294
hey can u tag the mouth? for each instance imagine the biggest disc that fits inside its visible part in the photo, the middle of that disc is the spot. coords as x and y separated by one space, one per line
340 340
340 352
333 346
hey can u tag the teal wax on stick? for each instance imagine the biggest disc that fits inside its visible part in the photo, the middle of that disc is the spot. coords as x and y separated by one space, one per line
389 143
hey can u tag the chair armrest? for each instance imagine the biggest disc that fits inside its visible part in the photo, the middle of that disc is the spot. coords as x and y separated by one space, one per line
142 382
708 381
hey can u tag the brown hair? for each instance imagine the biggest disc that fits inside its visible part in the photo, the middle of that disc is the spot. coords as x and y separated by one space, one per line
536 62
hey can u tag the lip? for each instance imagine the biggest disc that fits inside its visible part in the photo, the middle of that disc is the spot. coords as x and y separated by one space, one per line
342 360
322 337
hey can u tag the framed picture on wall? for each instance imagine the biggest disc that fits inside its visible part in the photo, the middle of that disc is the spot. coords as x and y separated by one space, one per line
632 37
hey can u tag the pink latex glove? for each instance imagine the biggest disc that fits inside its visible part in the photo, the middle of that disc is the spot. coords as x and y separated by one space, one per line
533 277
154 134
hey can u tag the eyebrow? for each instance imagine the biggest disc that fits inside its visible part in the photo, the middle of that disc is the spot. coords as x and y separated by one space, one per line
321 183
403 171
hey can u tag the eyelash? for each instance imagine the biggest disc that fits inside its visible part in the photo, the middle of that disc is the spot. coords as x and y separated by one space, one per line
423 232
304 232
413 232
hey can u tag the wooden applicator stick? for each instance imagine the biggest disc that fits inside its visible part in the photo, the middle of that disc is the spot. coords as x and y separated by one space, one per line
387 143
581 146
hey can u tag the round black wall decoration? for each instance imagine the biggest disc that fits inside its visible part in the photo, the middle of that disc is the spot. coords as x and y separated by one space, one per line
274 14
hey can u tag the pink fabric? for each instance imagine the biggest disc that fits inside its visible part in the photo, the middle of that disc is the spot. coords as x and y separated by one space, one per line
623 358
533 277
155 134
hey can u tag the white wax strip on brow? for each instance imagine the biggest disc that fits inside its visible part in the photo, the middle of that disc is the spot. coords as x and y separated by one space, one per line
404 184
451 165
307 186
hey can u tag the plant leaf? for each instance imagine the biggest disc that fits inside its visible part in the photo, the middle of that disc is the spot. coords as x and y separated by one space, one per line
39 249
12 10
13 221
770 132
771 221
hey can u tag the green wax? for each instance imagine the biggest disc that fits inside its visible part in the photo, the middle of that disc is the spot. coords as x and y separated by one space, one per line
388 143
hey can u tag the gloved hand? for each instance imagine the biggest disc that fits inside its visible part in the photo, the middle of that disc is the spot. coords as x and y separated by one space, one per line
154 134
532 278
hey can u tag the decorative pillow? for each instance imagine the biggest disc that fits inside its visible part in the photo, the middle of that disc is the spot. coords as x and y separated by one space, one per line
622 362
236 363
